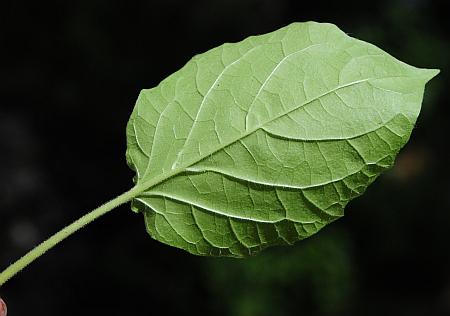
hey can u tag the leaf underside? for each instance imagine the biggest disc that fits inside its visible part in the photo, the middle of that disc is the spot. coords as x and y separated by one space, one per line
265 141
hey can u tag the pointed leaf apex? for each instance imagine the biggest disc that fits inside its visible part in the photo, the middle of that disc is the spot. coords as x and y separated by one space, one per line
429 74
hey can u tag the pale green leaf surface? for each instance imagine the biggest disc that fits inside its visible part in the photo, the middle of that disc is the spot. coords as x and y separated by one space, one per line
265 141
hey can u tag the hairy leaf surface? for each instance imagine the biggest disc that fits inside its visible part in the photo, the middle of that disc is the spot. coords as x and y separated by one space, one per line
265 141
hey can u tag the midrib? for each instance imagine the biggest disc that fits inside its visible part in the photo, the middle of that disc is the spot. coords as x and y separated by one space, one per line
163 177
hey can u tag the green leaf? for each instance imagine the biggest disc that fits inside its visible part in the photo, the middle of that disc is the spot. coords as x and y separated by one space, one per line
265 141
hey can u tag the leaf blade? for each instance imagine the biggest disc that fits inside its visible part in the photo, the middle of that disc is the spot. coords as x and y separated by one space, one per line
268 139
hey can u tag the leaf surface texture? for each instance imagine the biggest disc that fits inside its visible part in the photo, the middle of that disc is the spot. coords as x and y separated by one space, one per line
265 141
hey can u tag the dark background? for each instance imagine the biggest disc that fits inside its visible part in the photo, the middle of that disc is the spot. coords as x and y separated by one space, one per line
70 72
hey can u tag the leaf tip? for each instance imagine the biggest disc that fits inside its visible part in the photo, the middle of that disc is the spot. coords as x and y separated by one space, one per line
429 74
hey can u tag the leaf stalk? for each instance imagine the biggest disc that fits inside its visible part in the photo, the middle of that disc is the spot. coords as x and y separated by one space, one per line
51 242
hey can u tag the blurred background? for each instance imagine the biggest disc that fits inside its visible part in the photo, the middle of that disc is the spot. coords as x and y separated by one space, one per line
69 76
